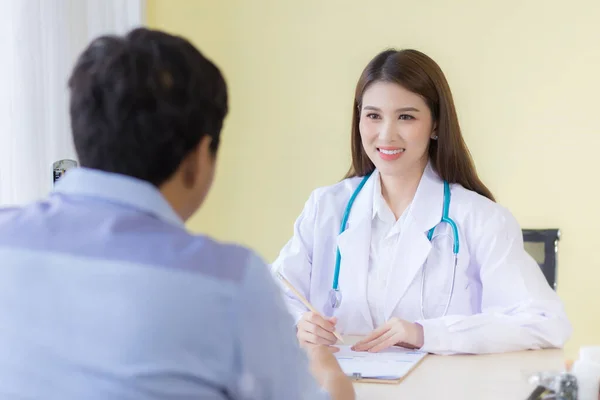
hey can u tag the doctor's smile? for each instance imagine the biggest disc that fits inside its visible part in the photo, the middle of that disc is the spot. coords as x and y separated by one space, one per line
390 153
411 249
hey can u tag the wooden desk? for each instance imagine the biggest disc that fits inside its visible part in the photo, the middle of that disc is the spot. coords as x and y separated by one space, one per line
490 377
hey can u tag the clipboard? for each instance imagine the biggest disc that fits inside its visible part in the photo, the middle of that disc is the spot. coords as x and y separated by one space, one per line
388 367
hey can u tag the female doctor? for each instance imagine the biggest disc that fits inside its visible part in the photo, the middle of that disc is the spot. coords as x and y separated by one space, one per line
410 249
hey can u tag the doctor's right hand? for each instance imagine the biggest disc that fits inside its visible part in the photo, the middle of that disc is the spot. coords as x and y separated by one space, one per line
313 329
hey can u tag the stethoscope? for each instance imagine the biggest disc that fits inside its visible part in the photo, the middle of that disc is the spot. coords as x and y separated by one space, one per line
335 295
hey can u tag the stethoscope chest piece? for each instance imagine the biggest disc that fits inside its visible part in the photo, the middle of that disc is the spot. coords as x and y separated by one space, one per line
335 298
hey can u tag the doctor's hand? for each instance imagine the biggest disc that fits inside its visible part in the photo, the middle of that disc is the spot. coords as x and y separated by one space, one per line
313 329
395 332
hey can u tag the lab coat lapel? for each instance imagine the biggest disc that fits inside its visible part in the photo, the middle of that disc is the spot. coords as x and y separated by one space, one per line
413 248
354 244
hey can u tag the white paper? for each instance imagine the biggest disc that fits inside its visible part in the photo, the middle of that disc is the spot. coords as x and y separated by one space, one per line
393 363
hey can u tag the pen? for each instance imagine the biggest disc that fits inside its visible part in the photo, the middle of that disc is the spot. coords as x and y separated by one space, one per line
304 301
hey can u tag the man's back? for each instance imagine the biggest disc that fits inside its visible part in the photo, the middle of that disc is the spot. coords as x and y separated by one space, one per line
103 294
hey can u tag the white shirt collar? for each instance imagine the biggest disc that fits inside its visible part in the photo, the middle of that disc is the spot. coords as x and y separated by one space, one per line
383 212
381 209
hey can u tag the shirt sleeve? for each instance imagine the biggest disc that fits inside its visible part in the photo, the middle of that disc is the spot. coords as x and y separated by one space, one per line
519 310
270 361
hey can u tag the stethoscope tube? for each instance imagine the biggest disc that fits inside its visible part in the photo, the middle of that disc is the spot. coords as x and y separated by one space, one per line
449 295
338 256
335 296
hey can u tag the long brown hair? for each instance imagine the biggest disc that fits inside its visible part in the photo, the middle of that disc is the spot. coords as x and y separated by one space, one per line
419 74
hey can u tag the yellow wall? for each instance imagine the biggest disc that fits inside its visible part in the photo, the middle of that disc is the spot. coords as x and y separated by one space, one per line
526 80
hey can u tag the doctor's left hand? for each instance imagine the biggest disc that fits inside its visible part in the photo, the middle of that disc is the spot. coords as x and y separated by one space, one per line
395 332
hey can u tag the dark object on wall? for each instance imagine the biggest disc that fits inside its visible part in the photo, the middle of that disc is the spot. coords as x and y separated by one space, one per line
542 245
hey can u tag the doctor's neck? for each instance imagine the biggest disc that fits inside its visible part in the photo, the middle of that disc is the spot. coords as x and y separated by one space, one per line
398 189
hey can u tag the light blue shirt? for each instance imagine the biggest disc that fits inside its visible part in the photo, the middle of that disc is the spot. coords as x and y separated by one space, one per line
104 295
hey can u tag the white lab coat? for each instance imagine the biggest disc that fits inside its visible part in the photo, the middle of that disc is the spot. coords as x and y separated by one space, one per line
501 300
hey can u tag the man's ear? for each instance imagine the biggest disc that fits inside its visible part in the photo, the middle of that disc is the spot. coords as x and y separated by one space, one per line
204 148
189 168
195 161
192 162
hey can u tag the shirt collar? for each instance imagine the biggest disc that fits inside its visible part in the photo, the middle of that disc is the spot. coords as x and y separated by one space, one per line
380 207
118 188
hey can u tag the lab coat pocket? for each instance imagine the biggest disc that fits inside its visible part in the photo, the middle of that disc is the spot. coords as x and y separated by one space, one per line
437 275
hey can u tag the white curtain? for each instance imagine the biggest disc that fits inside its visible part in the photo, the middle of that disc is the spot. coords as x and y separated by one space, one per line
39 42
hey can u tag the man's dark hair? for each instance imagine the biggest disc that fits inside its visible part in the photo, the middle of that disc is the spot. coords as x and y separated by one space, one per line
140 103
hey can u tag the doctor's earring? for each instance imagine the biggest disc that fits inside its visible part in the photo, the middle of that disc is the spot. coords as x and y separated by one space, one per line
434 137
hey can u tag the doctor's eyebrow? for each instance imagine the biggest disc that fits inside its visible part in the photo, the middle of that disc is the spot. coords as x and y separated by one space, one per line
403 109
